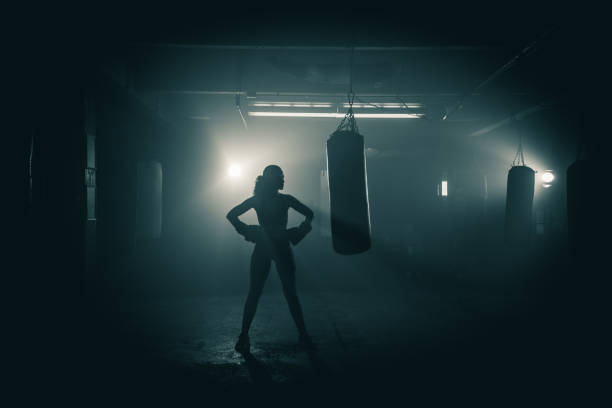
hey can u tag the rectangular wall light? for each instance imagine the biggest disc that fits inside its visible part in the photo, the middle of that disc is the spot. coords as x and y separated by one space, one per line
444 189
337 115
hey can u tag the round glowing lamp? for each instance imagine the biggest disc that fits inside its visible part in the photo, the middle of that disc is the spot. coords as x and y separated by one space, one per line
234 171
548 177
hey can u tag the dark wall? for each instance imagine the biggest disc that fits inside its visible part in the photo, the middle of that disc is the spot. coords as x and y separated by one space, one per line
46 254
128 132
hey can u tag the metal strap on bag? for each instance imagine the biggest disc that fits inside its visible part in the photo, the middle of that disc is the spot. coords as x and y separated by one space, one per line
519 158
348 122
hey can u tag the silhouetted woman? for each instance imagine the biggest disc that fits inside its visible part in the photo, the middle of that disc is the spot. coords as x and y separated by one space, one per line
272 243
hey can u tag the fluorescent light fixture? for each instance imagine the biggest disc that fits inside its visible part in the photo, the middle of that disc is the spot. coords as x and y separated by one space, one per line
297 114
384 105
293 104
337 115
389 115
306 104
311 105
444 188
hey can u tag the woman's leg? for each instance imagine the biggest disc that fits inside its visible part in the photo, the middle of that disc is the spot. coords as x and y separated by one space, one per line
285 266
260 268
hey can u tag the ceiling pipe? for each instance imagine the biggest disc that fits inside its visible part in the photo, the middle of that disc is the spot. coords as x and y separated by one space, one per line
514 118
239 109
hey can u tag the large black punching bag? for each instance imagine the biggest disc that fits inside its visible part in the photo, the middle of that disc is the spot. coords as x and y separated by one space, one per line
348 192
519 204
581 206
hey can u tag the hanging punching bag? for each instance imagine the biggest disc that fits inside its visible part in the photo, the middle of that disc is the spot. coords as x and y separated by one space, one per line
519 203
581 206
348 191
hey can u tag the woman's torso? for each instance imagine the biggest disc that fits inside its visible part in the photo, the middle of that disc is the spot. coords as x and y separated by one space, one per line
272 212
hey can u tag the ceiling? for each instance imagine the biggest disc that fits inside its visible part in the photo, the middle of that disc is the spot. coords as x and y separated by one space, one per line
492 63
488 81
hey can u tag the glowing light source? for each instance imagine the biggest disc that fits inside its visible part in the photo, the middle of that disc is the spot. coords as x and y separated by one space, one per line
293 104
383 105
338 115
307 104
548 176
234 171
444 188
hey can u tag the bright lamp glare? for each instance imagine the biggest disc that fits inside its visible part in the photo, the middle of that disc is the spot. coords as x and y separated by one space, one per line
444 191
234 171
548 177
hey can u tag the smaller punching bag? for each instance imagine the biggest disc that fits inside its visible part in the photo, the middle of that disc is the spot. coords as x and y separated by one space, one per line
348 189
519 204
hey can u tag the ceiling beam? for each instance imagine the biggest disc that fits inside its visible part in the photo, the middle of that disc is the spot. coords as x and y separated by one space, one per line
514 118
313 48
319 94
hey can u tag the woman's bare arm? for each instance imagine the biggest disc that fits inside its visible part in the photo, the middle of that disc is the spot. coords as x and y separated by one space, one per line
301 208
236 212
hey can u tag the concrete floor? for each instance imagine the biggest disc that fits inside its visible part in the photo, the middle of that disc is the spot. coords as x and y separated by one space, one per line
410 339
353 331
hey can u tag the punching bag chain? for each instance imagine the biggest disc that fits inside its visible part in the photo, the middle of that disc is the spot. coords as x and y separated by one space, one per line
351 72
348 122
519 158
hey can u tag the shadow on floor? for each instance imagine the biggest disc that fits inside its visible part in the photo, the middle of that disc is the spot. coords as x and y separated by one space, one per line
257 370
320 368
260 373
